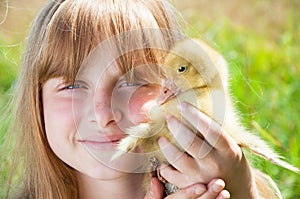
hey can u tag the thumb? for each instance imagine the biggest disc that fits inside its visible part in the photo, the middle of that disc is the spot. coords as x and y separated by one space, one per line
156 190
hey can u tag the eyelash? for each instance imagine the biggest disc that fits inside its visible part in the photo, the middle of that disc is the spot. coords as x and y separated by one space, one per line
70 87
121 85
127 84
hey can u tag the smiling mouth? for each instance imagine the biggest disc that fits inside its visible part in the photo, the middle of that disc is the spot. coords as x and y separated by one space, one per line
107 142
100 145
98 142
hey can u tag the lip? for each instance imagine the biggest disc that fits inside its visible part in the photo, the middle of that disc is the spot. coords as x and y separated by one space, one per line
104 142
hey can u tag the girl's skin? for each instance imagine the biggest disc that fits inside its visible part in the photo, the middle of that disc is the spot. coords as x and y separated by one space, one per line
92 128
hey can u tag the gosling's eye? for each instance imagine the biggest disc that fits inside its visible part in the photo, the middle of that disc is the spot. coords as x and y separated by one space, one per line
181 69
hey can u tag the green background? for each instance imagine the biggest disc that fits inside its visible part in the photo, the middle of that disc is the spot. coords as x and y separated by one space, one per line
260 40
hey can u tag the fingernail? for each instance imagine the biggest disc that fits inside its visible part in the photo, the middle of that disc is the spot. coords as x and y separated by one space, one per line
218 186
200 190
162 141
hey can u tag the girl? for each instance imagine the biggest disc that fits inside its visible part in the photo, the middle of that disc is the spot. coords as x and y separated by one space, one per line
73 102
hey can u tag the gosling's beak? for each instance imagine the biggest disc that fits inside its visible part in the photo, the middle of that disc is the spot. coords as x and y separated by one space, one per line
169 91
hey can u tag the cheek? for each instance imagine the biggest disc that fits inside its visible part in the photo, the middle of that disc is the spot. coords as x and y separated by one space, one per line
59 122
140 103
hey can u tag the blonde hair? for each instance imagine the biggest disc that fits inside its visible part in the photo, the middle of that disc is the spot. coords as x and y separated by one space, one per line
62 36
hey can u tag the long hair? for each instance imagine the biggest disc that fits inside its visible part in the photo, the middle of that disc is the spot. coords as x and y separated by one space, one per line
64 33
62 36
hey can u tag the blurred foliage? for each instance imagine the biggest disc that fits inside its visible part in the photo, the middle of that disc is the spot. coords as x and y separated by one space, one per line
264 79
9 62
264 65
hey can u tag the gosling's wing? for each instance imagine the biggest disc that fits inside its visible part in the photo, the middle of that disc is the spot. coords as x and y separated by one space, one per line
261 148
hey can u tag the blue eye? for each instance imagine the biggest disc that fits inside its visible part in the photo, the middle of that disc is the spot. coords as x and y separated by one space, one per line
129 84
73 89
73 86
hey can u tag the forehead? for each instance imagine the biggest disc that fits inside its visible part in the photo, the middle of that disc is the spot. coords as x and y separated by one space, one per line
131 60
97 70
71 36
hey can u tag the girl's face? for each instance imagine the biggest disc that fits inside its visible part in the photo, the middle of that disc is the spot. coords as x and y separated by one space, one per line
85 121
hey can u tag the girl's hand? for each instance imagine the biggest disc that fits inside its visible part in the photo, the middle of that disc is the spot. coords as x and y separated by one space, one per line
215 156
214 190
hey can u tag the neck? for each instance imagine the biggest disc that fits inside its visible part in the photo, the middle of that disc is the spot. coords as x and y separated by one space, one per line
127 186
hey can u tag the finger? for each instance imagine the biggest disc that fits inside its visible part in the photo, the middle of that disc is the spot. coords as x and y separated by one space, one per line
190 192
156 190
192 144
178 159
214 188
174 176
211 131
224 195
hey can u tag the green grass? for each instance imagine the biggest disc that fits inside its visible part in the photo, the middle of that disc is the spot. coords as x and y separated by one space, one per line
9 64
264 72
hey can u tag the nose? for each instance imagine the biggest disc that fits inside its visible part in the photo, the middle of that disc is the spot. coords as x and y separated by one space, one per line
105 114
